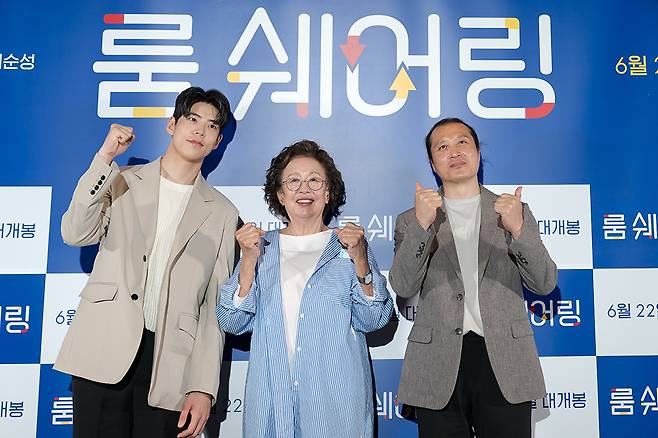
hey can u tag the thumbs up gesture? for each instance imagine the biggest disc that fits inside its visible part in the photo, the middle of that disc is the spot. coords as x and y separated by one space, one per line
426 204
510 210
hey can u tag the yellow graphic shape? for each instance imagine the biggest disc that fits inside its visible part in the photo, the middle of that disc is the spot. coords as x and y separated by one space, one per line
402 84
149 112
512 23
233 76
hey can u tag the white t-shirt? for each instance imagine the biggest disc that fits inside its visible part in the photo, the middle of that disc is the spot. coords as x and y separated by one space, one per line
299 255
464 216
172 201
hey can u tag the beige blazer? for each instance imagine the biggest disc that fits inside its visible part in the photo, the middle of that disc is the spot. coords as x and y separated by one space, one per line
118 208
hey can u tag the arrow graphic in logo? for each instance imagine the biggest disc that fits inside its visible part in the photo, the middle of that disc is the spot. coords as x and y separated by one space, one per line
352 50
402 84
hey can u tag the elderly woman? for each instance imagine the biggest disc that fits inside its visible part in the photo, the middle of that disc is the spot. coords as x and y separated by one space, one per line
309 294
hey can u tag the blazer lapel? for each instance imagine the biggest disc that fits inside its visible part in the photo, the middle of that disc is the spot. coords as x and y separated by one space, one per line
445 238
145 187
198 209
488 224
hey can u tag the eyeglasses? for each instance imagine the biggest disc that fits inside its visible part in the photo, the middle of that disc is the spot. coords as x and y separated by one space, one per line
314 183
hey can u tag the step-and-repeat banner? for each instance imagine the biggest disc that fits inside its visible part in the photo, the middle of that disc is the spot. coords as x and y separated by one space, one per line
562 94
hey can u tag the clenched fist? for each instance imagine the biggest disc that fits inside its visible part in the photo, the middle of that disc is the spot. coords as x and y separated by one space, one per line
510 210
249 238
426 204
351 238
116 142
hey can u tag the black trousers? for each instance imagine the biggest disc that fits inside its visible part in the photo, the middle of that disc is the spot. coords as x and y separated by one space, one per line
121 410
477 407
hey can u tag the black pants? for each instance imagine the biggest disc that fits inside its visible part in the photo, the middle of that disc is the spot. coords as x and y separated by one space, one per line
121 410
476 407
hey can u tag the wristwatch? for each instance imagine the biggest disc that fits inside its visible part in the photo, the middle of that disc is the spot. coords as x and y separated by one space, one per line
367 279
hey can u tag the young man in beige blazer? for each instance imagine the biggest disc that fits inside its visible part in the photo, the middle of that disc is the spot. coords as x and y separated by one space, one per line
471 364
144 347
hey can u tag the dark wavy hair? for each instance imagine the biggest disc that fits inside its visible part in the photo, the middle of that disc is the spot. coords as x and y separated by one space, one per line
304 148
188 97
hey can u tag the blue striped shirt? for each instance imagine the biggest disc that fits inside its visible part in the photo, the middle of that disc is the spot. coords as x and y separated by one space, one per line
329 391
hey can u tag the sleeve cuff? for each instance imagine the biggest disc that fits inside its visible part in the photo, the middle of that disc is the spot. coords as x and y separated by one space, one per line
229 298
380 292
238 300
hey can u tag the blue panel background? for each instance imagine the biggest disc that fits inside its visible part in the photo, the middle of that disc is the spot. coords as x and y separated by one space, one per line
600 132
22 291
52 384
558 339
613 372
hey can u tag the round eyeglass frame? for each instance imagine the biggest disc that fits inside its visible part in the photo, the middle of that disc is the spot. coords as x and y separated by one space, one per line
314 183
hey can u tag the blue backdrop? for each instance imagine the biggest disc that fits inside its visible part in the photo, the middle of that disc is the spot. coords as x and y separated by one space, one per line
562 95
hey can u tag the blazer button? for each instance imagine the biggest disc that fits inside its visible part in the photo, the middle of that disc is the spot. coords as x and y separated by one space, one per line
95 187
144 258
102 176
458 331
100 182
460 297
93 192
134 297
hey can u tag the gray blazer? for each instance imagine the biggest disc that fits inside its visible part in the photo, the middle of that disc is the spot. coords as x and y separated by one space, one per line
426 262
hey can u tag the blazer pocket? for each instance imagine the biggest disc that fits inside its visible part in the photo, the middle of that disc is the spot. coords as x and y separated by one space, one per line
188 323
421 334
521 328
98 292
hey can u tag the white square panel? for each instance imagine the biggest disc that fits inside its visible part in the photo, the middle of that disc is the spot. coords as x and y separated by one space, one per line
570 409
395 348
60 302
626 311
252 206
234 405
24 229
563 213
18 400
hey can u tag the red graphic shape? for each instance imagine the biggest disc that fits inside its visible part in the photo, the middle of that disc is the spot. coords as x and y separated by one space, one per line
302 109
576 324
113 18
352 49
541 111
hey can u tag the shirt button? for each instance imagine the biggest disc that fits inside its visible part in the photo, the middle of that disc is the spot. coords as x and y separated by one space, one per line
134 297
460 297
299 348
308 287
458 331
295 383
301 315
